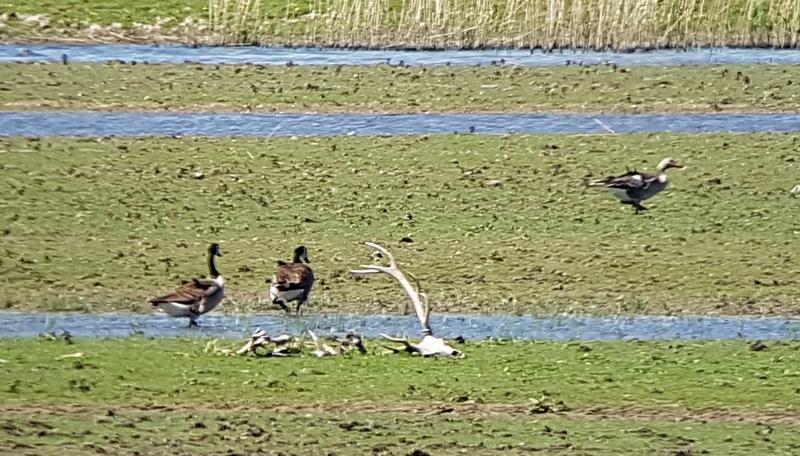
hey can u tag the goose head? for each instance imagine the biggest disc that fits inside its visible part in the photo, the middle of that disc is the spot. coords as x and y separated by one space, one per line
301 255
213 250
667 163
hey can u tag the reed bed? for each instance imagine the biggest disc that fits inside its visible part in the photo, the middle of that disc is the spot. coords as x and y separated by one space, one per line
536 24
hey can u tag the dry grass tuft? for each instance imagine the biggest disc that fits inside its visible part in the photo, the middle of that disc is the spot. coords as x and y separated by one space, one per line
546 24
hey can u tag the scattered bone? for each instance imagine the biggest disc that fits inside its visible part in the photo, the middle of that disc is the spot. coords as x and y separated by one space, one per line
322 349
71 355
353 341
260 339
429 345
211 347
336 346
285 345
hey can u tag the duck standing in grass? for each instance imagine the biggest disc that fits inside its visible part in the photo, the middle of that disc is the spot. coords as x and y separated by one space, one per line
292 281
634 187
196 297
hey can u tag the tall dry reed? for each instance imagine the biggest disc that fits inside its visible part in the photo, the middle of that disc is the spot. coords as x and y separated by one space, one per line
236 21
588 24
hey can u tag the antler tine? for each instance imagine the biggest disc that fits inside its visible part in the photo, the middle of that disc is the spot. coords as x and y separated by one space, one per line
368 269
401 340
383 251
376 268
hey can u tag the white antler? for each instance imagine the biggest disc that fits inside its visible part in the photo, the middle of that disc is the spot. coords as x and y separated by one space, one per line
418 299
429 345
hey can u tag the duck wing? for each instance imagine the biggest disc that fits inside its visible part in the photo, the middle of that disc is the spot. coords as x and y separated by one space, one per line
632 180
639 186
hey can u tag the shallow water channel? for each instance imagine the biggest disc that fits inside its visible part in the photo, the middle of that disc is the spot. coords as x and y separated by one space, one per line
323 56
14 324
287 124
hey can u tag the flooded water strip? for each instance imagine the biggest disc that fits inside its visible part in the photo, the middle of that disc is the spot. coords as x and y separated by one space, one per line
323 56
307 124
474 327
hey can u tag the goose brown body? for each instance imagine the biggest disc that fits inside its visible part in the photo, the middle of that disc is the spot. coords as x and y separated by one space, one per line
292 281
196 297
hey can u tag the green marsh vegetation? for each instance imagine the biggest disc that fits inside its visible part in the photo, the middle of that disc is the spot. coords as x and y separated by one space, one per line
382 88
595 24
487 223
149 395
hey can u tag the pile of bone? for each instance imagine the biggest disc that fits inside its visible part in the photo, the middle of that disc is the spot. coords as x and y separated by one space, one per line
262 344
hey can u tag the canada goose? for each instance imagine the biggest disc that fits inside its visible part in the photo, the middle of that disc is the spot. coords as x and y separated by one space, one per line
634 187
292 281
196 297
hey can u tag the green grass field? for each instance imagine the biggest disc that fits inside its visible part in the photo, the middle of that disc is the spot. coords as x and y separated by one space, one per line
106 12
155 395
383 88
497 223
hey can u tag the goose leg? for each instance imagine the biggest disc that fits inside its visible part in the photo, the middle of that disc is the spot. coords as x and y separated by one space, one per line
193 323
638 207
281 304
303 299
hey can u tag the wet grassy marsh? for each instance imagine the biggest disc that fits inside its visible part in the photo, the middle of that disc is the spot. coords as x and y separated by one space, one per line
379 88
488 223
592 397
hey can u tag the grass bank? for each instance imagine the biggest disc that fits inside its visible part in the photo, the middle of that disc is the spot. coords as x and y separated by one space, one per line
148 395
383 88
152 431
488 223
547 24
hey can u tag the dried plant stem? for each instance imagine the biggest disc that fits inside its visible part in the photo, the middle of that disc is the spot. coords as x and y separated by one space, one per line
548 24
